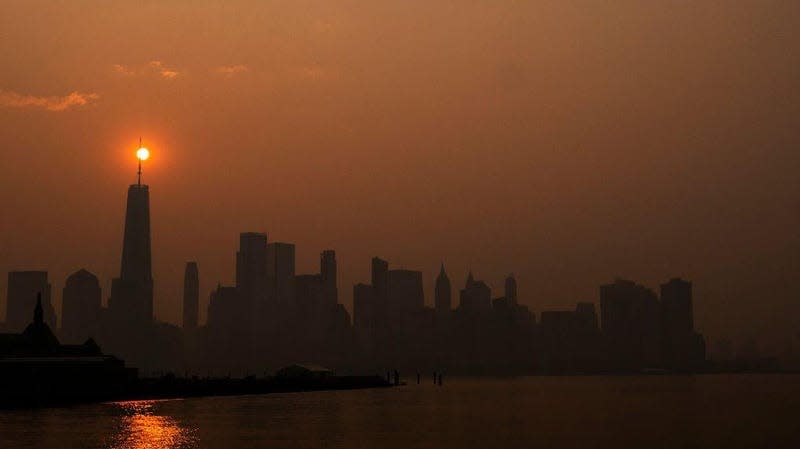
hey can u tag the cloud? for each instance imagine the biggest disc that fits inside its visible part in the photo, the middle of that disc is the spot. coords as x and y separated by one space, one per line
162 70
54 104
231 70
121 69
154 67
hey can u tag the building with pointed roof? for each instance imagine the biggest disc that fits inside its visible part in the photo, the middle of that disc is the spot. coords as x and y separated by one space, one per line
443 294
36 368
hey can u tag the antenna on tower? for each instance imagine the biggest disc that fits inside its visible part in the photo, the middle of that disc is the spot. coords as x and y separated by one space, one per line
139 173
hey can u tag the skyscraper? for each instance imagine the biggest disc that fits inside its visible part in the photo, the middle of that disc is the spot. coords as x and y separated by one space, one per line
23 286
586 317
280 273
443 294
676 303
251 268
511 289
362 307
630 320
683 347
327 269
476 297
380 268
405 293
81 306
191 296
132 293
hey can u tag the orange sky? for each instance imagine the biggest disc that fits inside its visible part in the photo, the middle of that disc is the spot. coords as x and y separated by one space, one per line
566 142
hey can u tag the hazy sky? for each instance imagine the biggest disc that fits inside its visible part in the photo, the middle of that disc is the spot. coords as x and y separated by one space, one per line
568 142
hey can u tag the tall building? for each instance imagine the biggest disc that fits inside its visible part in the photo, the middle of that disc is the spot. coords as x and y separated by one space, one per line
80 309
362 307
228 330
225 309
443 301
676 303
327 269
630 320
317 293
251 267
191 296
405 293
23 287
475 297
511 289
683 347
379 271
131 300
280 273
309 294
586 317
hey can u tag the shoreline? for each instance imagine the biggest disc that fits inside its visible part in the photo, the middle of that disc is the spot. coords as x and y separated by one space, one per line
170 387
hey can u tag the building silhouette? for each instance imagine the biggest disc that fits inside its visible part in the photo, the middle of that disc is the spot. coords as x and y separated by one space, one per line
191 296
405 293
363 309
131 302
328 273
476 296
378 276
444 298
630 319
511 289
251 268
280 273
676 301
586 318
298 318
81 306
252 294
275 317
317 293
228 330
318 326
128 327
309 293
683 348
570 341
35 366
23 287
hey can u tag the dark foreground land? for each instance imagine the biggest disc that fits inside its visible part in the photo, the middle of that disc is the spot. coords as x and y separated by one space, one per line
169 386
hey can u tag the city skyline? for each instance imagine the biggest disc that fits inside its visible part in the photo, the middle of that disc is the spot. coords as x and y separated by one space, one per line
429 293
273 316
428 280
399 223
566 143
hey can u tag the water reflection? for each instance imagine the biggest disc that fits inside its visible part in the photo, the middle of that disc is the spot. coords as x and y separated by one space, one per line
142 427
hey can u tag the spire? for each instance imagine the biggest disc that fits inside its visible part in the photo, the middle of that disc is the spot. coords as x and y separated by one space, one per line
38 314
139 173
470 279
442 273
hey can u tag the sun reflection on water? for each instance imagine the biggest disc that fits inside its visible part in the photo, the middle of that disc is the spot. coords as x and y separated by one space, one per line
141 427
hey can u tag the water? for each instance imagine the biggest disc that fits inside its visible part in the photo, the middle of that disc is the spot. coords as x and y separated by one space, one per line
721 411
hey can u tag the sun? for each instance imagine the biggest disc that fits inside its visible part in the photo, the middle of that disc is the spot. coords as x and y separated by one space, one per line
143 153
